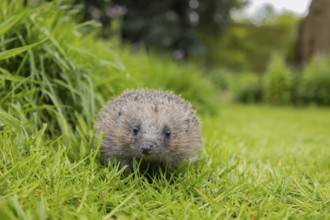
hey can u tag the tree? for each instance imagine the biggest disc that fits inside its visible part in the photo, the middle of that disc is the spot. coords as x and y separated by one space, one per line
249 42
314 34
173 25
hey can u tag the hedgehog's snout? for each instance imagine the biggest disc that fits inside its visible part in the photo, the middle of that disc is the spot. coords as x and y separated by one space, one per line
147 148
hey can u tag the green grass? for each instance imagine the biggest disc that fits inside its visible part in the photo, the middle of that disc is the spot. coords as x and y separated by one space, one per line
258 162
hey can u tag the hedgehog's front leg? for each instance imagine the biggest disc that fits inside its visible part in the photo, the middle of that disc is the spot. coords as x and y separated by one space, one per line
126 164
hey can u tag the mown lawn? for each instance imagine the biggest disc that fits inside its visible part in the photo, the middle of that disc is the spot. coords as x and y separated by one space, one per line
259 162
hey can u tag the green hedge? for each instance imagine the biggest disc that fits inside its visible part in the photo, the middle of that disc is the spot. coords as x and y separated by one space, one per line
280 84
276 82
314 86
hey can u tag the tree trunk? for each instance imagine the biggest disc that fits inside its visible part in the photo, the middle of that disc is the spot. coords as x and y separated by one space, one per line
314 33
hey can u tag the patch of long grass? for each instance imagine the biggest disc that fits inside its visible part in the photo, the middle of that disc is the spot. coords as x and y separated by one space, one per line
45 77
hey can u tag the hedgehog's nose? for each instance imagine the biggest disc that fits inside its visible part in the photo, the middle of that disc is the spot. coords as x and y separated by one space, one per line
146 148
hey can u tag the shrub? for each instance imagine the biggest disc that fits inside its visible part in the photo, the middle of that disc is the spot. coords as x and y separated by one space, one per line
276 82
250 89
220 78
296 80
156 71
315 83
245 87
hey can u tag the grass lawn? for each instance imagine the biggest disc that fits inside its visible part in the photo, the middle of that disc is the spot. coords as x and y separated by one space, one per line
259 162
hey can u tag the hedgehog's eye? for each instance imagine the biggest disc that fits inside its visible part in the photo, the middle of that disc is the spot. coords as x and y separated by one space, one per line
167 133
136 130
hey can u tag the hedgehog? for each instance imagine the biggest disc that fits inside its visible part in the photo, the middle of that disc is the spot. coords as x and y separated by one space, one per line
152 126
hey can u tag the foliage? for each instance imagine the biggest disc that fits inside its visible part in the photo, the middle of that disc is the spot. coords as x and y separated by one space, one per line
247 45
315 83
166 25
310 85
295 85
249 88
161 72
245 87
281 84
276 85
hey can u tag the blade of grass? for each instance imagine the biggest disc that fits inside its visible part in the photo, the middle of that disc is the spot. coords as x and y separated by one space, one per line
10 23
13 52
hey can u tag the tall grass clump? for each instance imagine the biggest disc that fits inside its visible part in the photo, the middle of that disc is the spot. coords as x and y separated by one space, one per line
58 80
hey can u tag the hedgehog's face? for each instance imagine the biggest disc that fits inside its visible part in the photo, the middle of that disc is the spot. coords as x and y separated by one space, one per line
149 140
154 133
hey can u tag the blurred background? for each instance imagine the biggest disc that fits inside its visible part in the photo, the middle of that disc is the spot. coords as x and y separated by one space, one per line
253 51
83 52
